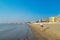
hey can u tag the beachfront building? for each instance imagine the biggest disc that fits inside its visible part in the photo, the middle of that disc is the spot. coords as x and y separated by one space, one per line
58 18
45 20
52 19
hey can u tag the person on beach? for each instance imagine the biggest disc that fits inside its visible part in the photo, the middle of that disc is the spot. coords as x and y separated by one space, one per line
41 24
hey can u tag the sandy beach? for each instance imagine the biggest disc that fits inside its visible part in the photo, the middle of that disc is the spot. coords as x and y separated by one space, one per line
48 32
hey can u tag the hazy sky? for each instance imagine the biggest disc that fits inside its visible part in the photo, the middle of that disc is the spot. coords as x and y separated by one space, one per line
27 10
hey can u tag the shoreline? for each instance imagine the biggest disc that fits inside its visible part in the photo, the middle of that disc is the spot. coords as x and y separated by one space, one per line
52 32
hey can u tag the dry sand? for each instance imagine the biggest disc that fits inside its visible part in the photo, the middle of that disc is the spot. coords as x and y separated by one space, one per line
52 31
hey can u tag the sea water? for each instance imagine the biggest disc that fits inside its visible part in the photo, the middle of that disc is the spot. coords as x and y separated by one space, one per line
15 32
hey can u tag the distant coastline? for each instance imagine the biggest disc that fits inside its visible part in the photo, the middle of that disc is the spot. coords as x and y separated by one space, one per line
14 23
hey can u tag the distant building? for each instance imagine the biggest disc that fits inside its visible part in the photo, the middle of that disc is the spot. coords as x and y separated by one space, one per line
58 18
52 19
45 20
33 21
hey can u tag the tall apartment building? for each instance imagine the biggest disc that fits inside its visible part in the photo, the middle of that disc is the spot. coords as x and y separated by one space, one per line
52 19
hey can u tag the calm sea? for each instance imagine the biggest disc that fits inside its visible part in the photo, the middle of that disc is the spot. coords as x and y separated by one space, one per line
15 32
